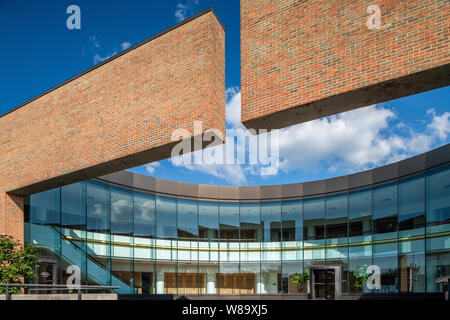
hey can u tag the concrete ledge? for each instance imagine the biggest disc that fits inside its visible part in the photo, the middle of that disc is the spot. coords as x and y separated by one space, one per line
88 296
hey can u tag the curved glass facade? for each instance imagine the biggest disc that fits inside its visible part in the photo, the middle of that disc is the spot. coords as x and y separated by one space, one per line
148 243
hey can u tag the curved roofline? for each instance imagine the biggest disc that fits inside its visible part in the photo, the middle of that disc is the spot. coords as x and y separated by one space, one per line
403 169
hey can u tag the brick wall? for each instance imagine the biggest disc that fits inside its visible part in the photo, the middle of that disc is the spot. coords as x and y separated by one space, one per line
302 60
116 116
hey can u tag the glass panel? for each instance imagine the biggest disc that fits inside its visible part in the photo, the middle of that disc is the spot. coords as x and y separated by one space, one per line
98 235
187 220
229 222
360 257
189 280
229 247
270 279
411 206
292 279
314 233
250 246
144 215
208 243
121 211
360 213
73 227
144 252
45 207
73 206
122 240
412 266
336 215
208 220
250 224
438 199
166 218
386 257
385 209
44 228
313 221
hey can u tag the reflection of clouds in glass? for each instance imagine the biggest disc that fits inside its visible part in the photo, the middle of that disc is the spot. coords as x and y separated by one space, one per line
145 212
120 210
98 209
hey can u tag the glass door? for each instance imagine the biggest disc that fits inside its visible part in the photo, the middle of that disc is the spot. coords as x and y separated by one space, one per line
324 284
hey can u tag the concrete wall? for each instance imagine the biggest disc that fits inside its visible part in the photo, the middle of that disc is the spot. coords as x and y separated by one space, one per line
302 60
117 115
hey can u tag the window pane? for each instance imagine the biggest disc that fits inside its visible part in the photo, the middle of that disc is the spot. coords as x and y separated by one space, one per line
385 209
438 198
411 206
208 220
73 205
45 207
292 220
144 215
98 206
360 213
166 218
313 220
121 211
250 226
229 221
187 220
271 221
336 214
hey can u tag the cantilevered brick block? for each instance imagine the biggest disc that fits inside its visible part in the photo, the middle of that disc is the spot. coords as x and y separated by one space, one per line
117 115
302 60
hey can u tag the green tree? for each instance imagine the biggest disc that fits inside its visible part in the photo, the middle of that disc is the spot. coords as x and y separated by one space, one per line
17 262
300 279
360 276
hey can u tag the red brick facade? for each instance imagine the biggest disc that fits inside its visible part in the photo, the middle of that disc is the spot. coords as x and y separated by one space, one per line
116 116
301 60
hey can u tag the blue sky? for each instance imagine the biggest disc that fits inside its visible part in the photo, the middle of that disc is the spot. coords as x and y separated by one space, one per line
39 52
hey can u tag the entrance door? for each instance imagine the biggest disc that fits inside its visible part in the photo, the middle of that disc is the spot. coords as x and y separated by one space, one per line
324 284
46 274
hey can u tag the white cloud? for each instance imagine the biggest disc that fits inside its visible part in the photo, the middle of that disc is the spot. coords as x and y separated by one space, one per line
125 45
440 125
152 166
184 9
98 58
354 141
181 12
348 142
233 108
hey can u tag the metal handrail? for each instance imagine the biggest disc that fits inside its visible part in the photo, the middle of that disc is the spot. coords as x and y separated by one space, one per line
56 286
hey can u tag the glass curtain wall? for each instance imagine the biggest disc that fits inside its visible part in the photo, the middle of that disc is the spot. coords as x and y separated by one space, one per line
151 244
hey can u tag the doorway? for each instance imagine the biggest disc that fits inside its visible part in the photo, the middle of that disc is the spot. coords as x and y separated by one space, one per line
325 282
46 273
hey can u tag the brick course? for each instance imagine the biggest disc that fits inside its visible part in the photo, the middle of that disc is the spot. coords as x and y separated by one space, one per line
116 116
302 60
